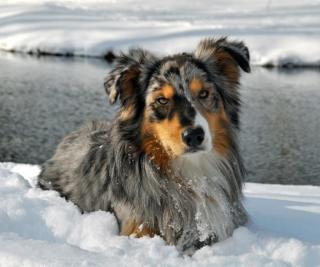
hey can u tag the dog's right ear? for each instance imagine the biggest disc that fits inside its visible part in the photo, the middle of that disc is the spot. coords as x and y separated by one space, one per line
123 81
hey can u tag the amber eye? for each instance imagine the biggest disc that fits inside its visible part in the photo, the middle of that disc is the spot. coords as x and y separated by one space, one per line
162 100
203 94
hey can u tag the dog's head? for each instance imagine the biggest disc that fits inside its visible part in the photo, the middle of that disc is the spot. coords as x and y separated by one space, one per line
185 103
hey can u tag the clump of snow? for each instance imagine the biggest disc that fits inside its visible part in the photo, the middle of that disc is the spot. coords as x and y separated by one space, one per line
39 228
277 32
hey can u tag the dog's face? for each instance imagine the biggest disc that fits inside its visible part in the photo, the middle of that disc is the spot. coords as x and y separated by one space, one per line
186 103
180 107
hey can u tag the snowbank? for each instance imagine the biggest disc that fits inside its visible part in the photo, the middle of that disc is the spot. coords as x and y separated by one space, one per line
277 32
38 228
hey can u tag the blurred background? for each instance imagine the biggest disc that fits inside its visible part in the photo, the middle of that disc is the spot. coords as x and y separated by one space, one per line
53 62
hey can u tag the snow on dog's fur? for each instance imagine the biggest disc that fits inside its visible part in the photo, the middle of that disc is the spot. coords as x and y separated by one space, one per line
169 163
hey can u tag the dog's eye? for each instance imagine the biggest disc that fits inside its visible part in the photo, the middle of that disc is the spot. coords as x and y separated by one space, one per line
203 94
162 100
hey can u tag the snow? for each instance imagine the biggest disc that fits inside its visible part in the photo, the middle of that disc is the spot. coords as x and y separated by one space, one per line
276 32
39 228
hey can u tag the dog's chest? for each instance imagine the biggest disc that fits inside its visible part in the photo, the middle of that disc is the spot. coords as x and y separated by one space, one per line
213 210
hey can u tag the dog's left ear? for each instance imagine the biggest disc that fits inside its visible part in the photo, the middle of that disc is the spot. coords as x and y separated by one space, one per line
225 58
123 81
224 53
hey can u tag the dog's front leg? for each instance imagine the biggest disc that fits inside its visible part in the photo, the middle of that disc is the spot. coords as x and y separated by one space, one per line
131 227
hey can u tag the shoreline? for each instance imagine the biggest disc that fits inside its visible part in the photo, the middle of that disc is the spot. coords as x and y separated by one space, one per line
109 56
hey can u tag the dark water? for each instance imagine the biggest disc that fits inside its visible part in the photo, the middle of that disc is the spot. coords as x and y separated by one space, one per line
43 99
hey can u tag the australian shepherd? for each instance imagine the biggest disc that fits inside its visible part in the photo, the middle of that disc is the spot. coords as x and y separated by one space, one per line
169 163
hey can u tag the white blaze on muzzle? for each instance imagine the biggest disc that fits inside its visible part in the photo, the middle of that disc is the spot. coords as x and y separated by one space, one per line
200 121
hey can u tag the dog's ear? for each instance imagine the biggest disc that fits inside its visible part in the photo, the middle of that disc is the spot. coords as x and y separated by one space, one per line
123 80
225 58
224 53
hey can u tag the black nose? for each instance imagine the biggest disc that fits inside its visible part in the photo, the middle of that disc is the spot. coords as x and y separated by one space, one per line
193 137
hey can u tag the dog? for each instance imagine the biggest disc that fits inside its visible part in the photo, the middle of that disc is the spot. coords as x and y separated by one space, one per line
169 163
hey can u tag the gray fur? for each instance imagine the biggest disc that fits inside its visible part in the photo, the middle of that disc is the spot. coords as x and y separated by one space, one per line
101 166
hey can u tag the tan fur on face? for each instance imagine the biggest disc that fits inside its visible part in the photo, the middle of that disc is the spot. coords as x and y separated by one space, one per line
167 91
195 86
154 149
218 121
219 126
162 140
169 133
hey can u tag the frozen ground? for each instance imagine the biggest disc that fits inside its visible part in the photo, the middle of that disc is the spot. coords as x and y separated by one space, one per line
277 32
39 228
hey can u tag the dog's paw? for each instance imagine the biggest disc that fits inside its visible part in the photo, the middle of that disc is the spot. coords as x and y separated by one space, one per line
189 242
207 242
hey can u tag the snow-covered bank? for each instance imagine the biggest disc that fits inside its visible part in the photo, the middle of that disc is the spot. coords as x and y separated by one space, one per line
39 228
277 32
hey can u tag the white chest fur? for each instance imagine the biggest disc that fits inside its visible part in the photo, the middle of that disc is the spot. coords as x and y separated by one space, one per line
207 174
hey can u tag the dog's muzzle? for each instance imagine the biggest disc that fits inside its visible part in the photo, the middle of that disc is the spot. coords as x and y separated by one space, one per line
193 137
